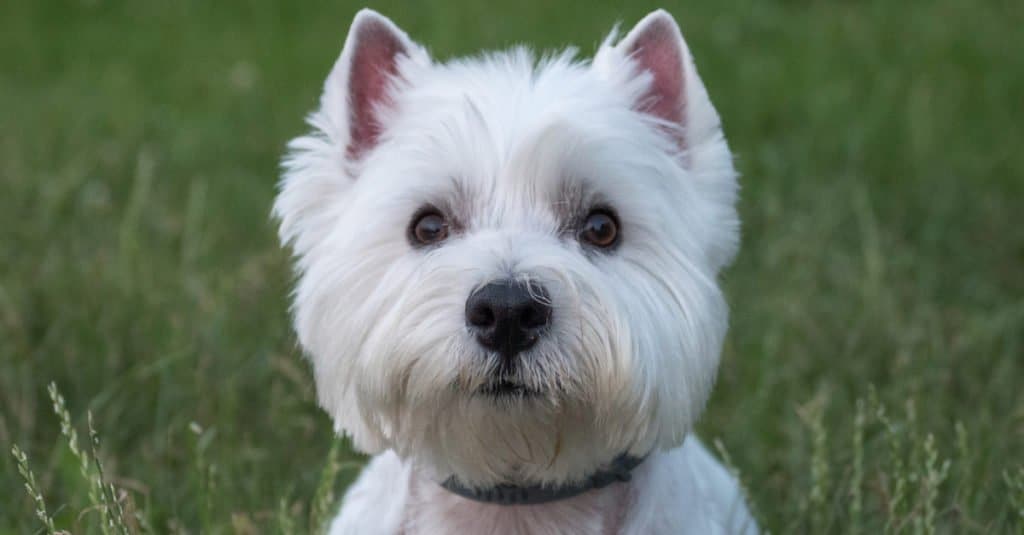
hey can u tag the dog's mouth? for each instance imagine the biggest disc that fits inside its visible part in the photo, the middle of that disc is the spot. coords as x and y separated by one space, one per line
505 388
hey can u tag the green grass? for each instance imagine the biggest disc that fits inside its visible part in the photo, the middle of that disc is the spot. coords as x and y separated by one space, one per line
873 372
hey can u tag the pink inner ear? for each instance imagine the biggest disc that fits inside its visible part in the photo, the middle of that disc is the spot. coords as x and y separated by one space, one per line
374 62
656 49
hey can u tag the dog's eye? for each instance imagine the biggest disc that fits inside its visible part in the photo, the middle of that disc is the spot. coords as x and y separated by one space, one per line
428 227
600 229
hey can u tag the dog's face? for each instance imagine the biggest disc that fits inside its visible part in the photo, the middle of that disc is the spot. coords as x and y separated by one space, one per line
508 267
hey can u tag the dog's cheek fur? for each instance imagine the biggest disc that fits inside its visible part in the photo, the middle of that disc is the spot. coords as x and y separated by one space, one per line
395 365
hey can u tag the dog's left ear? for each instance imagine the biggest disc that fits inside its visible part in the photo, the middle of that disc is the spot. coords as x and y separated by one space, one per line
675 93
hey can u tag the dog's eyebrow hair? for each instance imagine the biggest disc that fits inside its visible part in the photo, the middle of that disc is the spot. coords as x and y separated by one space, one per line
574 197
455 201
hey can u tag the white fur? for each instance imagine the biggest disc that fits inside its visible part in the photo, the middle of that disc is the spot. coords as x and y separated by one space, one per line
636 333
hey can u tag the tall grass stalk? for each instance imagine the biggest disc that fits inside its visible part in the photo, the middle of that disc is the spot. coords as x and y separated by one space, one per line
857 477
1015 490
205 472
113 510
71 437
813 414
735 471
103 496
324 500
895 478
285 521
933 475
33 489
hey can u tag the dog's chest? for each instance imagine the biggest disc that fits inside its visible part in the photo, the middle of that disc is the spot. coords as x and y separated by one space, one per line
432 509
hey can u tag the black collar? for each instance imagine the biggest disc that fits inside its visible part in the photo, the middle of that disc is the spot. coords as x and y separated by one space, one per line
507 494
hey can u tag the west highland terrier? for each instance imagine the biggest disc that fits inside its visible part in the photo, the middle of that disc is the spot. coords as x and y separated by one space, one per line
508 284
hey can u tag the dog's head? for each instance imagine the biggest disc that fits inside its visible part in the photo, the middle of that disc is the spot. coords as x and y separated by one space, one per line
507 266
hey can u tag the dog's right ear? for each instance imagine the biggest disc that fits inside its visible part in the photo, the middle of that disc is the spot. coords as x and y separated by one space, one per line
318 168
358 90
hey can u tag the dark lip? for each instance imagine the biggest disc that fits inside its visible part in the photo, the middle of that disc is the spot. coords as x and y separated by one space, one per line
503 388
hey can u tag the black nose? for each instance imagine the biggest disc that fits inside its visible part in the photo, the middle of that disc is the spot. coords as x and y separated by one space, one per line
508 316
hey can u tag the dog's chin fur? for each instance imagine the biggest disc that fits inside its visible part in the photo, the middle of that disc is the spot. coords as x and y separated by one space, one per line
514 151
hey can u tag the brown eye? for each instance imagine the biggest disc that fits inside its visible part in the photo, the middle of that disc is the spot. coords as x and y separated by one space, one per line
427 228
600 229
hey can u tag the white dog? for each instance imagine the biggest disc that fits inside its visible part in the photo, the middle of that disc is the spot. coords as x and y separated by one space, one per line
508 284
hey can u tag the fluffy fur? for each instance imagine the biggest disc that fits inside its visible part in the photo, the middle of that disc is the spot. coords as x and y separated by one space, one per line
514 150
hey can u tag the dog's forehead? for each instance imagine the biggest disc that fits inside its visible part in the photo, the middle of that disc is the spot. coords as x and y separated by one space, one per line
508 95
504 101
506 128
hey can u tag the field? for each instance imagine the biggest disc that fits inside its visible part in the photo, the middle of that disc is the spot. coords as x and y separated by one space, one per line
873 373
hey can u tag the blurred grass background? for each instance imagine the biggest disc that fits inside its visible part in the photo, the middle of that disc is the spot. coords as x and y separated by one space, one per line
882 151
